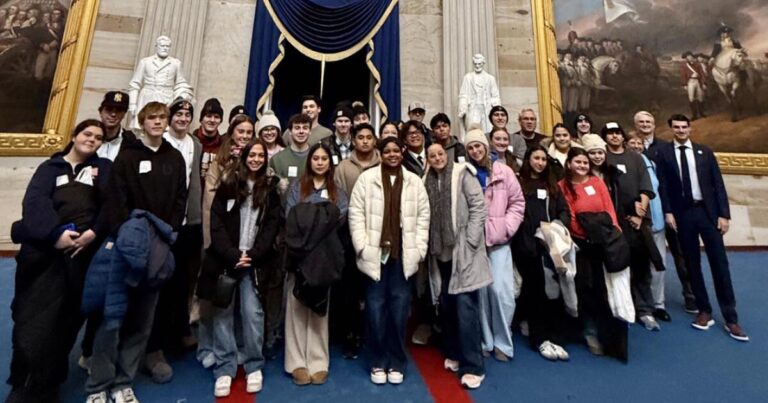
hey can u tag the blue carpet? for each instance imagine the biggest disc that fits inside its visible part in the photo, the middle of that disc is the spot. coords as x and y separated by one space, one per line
678 364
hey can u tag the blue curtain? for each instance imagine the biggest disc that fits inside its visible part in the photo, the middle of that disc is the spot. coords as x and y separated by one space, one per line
325 27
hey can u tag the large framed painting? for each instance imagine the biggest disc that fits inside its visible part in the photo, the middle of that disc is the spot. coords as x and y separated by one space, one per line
44 47
707 59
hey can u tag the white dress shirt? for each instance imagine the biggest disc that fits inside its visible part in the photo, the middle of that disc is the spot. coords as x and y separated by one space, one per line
690 156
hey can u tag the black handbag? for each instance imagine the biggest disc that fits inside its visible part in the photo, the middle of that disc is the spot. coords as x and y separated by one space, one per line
225 290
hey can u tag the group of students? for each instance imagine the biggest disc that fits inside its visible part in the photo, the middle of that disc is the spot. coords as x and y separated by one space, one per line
260 238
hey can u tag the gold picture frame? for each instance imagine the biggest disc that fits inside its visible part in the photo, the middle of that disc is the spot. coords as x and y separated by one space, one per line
550 101
66 89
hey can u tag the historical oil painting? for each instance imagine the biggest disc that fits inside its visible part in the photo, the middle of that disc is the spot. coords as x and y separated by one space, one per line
705 58
30 39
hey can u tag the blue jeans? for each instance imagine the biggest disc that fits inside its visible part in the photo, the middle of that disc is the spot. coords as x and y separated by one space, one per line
497 302
252 320
386 308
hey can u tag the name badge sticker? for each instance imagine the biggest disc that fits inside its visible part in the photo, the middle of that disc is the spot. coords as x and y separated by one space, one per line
62 180
324 194
335 159
510 149
230 204
700 152
293 171
590 190
621 167
541 193
145 166
462 159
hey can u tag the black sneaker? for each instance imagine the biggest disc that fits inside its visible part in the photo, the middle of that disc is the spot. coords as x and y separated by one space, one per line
662 314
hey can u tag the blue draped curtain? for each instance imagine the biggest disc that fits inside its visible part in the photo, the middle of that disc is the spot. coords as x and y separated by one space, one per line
326 30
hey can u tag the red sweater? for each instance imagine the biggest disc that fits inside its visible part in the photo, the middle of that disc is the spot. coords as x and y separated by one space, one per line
591 197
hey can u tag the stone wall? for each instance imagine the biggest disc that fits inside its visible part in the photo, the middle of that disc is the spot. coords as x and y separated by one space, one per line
421 55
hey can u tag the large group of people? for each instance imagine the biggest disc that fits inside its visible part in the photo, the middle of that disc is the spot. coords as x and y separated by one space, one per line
244 244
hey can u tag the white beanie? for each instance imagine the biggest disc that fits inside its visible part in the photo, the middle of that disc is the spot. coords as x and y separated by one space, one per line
592 142
268 118
476 134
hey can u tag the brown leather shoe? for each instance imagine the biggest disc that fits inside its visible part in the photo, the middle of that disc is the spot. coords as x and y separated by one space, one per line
301 376
703 321
736 332
319 377
499 355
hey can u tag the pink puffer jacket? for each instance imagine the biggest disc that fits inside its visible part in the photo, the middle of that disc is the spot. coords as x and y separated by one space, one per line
506 204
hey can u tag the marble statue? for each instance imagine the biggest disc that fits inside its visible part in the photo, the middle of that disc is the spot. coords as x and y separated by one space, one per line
157 78
478 94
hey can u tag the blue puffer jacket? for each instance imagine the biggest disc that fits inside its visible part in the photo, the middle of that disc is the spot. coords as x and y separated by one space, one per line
140 256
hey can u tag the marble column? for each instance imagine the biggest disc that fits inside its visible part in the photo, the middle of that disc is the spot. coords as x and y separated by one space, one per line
184 22
468 28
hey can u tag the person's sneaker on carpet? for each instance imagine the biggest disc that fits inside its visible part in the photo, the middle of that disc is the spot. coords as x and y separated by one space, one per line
662 315
650 323
736 332
157 366
421 335
703 321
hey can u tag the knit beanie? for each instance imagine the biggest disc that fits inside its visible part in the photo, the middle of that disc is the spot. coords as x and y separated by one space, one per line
343 111
475 133
212 107
237 110
179 104
268 119
592 142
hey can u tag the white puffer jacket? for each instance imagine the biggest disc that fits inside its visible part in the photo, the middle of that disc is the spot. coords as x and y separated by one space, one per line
366 214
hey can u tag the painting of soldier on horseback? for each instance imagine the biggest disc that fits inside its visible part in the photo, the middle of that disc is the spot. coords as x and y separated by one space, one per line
705 58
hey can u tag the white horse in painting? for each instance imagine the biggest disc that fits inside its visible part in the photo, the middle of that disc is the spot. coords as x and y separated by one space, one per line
728 70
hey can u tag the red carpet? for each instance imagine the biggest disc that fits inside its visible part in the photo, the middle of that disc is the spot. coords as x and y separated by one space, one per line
238 394
443 385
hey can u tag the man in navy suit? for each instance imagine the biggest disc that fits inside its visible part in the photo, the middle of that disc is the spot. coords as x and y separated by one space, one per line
695 205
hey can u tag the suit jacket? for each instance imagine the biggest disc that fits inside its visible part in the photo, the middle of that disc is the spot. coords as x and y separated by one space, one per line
654 147
714 196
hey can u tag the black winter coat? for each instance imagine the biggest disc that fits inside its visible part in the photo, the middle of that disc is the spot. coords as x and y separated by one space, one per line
224 252
314 252
601 232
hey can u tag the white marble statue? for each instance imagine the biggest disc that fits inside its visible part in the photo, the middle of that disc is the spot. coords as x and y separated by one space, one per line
157 78
478 94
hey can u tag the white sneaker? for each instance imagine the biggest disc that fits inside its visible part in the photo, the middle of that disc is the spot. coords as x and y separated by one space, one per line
470 381
548 351
209 361
100 397
378 376
223 386
562 355
650 323
394 377
451 365
124 395
254 382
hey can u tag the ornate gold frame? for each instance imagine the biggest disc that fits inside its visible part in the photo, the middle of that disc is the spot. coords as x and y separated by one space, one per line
550 105
66 89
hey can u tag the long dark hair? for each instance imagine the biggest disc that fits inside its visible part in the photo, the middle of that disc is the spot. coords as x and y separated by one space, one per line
548 174
307 184
223 156
573 153
261 180
79 128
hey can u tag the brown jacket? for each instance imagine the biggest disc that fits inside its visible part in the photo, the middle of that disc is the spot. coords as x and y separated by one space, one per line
349 170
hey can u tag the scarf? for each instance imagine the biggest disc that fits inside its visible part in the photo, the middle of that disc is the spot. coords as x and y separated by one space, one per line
441 236
391 232
210 144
